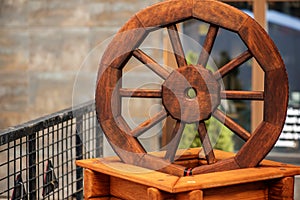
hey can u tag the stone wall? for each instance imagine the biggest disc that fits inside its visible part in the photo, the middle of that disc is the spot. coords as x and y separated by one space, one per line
43 44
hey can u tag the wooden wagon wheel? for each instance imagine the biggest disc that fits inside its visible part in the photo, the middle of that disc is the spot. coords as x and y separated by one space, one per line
190 109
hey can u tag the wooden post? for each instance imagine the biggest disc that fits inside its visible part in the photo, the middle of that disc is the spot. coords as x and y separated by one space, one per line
283 189
259 10
154 194
192 195
95 184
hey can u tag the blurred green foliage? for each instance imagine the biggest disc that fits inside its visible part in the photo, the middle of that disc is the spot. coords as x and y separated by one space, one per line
220 136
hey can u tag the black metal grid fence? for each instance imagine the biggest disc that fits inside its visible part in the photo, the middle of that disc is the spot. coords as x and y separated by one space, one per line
37 159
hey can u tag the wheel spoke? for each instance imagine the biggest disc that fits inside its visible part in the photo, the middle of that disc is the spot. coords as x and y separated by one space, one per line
242 95
122 124
206 145
173 145
232 125
208 44
146 125
140 93
242 58
177 46
149 62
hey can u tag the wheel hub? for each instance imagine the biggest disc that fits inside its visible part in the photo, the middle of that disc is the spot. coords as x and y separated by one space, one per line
191 93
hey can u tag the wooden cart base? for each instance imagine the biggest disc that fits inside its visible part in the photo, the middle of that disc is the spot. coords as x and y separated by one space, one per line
108 178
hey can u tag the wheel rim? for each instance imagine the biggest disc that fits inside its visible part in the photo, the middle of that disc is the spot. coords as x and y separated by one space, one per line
125 45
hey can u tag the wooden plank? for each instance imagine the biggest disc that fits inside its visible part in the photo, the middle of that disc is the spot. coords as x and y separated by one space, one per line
176 137
151 64
165 13
181 154
231 177
221 165
166 182
260 45
167 130
126 40
188 157
109 79
133 173
206 145
271 163
246 191
177 46
221 155
161 165
278 89
208 45
140 93
146 125
193 153
232 125
242 95
220 14
127 189
122 124
247 156
282 189
127 148
192 163
95 184
231 65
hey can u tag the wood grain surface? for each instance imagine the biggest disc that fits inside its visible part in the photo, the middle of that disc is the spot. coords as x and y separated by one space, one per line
111 178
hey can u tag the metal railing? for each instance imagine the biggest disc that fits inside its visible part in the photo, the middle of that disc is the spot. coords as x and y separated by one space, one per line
37 159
